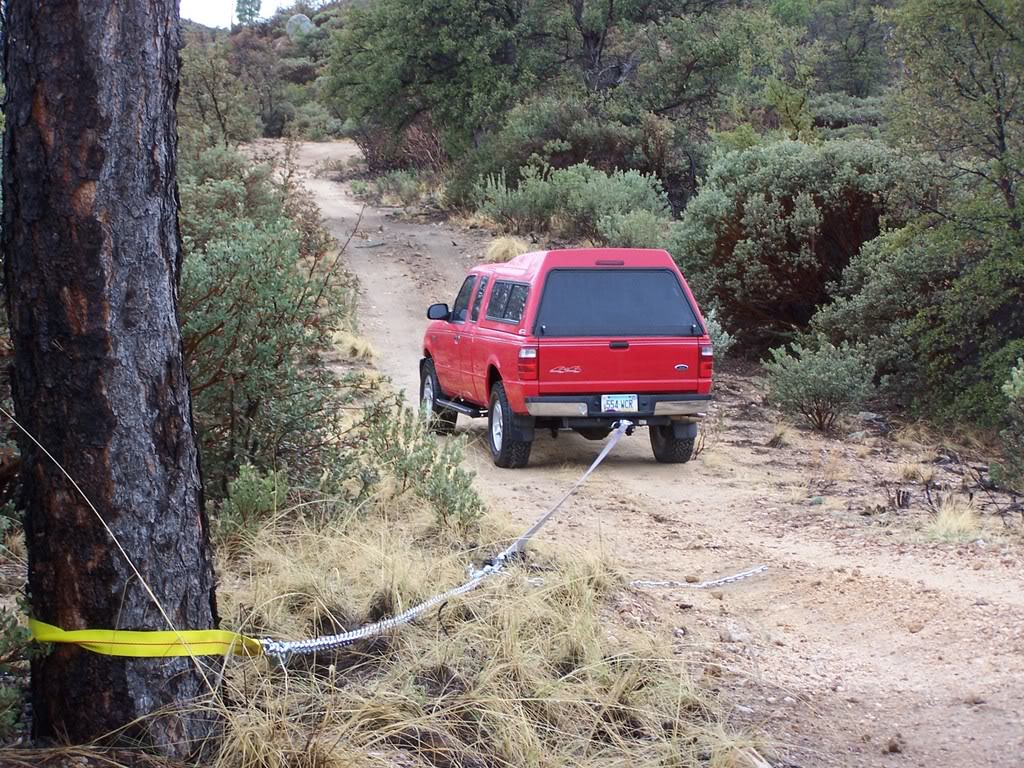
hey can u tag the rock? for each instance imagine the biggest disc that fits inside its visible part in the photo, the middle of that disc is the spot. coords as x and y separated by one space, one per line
718 594
680 632
789 700
916 627
868 416
691 579
982 601
862 435
744 710
894 746
974 699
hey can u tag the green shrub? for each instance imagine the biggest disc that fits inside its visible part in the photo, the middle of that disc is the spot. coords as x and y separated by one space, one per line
261 298
579 202
526 208
774 226
398 445
1010 471
908 299
405 186
819 384
253 498
636 229
721 339
15 650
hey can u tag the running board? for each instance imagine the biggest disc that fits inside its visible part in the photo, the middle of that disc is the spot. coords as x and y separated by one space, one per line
466 410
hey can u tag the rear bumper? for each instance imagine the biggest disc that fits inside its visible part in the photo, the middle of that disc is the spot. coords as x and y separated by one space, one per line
589 406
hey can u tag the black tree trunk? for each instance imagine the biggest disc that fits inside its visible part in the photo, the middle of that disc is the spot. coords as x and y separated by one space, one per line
92 254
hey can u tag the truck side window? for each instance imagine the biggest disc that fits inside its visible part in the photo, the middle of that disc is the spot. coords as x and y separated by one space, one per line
516 303
461 308
479 298
499 298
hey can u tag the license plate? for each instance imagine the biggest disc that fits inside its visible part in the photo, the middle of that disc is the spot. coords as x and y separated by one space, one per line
619 404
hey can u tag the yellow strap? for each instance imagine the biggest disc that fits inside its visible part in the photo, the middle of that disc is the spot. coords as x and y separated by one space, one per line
155 644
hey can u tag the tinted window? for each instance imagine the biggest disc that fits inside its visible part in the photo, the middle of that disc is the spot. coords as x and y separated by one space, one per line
461 307
516 303
499 298
615 302
508 300
479 298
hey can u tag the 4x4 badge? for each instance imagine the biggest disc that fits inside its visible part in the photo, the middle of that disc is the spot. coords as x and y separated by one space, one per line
566 369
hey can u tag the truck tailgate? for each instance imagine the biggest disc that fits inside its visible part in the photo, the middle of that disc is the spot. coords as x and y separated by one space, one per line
609 366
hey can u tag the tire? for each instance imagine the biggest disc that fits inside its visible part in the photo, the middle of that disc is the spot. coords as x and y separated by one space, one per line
439 419
669 449
506 453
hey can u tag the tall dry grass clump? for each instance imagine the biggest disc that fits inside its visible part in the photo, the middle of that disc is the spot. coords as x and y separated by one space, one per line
520 672
504 249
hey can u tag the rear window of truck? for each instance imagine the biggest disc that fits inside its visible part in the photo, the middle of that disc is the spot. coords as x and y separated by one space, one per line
615 302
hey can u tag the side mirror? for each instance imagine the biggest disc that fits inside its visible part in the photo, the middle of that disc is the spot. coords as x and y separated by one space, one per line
438 312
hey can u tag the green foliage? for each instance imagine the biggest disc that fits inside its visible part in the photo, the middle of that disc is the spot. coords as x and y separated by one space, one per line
247 11
15 644
820 383
213 106
398 444
456 59
635 229
1010 471
775 225
261 297
721 340
405 186
962 96
938 312
579 201
254 497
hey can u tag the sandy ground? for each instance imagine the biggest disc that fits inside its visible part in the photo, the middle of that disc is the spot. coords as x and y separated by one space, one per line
866 643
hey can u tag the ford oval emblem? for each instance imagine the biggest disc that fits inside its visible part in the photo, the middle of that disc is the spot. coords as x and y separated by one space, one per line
682 367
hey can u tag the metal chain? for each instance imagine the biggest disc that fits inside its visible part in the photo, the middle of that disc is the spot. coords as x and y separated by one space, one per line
645 584
280 651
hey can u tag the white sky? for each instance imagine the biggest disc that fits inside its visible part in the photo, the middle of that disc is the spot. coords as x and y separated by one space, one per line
221 13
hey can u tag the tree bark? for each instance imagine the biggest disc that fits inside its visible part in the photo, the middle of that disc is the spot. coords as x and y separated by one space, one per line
92 255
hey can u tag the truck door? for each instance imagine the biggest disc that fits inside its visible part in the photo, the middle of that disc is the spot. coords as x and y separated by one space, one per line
446 341
471 351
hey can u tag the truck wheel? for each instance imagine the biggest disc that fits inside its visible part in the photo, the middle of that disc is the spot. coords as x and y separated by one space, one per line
439 419
506 452
669 449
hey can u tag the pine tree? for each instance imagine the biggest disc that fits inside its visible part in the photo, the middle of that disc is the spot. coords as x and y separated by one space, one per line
247 11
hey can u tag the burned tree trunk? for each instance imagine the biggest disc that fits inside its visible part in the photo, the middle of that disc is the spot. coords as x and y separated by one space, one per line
92 254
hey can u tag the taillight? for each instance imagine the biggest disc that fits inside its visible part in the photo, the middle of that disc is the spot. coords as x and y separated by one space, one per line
707 362
529 367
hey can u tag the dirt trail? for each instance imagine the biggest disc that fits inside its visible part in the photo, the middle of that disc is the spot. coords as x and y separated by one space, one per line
863 645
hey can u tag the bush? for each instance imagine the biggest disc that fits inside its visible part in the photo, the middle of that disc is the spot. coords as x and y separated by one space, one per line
774 226
1010 471
819 384
405 186
15 650
253 498
255 324
721 339
397 444
579 202
908 299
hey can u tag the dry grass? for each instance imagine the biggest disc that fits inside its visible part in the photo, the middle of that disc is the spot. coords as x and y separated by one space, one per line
504 249
955 520
781 436
353 347
517 673
915 472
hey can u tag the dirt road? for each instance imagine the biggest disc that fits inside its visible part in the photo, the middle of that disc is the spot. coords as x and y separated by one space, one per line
865 644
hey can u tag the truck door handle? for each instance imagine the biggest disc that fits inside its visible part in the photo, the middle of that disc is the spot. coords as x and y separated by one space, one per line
619 345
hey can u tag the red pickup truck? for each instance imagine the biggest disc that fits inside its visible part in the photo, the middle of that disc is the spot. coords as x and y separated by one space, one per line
570 340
